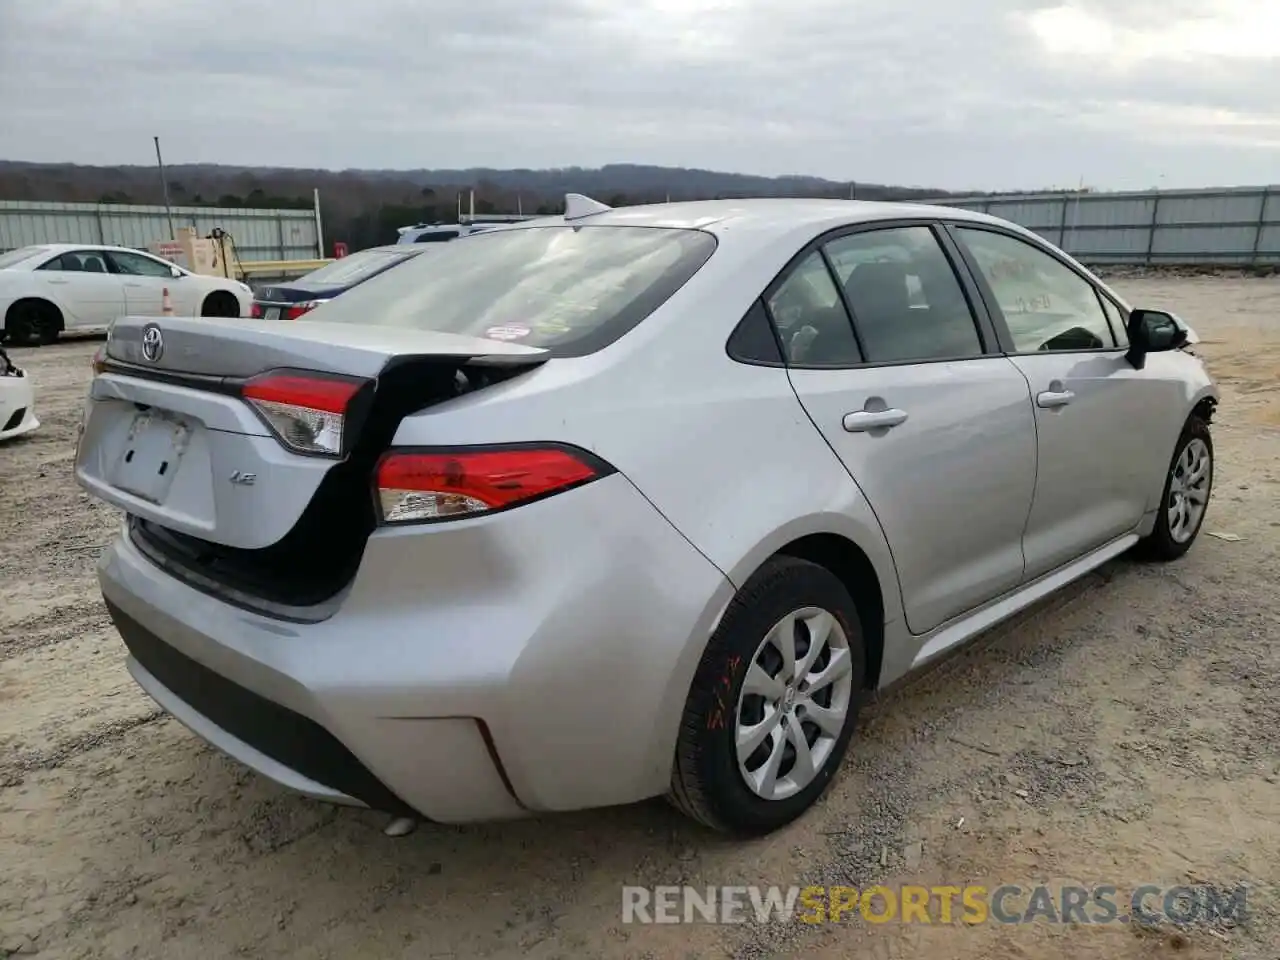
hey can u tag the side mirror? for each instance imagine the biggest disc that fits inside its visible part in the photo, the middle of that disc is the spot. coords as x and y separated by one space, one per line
176 273
1152 331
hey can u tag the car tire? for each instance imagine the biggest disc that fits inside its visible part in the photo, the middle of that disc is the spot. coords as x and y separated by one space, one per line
220 304
49 327
1171 537
709 782
30 321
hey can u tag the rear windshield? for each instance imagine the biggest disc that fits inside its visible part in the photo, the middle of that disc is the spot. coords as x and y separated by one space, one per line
14 257
570 289
353 268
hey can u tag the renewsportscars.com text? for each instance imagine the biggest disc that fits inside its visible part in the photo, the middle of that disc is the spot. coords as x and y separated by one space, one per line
1008 904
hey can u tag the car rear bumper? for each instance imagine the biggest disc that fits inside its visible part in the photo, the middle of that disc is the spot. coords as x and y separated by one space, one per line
542 666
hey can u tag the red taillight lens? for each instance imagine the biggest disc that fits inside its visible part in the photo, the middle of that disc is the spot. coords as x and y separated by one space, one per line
307 412
100 359
298 309
256 310
415 487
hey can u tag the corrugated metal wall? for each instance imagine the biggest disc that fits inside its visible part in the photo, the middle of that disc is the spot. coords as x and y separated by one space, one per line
1227 226
258 234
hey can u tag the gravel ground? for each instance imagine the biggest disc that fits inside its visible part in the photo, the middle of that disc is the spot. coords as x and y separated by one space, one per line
1126 732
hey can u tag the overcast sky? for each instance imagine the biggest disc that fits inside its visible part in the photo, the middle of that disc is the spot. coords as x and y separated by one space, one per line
955 94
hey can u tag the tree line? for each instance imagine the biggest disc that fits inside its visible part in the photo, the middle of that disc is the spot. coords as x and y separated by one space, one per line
364 207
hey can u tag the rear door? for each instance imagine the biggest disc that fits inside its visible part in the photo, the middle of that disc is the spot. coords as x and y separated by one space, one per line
145 280
934 426
1100 423
79 281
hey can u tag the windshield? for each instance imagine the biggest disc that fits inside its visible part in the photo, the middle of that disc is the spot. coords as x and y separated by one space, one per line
353 268
14 257
570 289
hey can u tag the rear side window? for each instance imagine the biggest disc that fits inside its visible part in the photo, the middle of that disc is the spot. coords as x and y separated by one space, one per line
569 289
436 236
84 261
907 303
812 322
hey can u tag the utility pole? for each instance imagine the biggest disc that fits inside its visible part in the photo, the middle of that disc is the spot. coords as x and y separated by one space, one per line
164 185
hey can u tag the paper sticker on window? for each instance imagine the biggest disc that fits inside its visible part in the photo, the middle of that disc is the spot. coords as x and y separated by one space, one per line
552 326
510 332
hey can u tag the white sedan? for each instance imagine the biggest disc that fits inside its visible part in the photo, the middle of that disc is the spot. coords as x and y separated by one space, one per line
59 286
17 399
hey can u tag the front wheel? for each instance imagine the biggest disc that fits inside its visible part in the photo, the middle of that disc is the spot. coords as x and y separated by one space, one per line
1186 495
773 703
220 304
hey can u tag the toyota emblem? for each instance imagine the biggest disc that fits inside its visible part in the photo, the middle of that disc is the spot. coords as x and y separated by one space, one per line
152 342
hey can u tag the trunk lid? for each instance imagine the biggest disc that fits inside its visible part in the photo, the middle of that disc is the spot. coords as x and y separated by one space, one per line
297 292
238 348
169 438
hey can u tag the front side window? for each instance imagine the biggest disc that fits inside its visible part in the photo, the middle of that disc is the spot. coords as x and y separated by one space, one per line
1046 305
1119 320
810 317
436 236
569 289
135 264
907 303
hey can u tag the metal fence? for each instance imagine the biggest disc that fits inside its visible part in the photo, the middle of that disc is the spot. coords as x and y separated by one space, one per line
258 234
1224 226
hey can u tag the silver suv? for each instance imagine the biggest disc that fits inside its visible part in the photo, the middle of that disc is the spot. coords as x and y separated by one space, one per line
627 503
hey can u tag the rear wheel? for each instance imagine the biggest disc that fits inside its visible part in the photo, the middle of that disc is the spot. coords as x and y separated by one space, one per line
220 304
32 320
773 703
1186 495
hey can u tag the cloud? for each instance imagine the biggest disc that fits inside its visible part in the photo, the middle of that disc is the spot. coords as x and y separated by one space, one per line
982 94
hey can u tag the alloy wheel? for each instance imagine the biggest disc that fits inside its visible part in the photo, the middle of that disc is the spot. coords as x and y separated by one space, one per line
794 703
1189 490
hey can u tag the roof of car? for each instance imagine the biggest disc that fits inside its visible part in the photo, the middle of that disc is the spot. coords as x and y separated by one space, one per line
55 248
777 213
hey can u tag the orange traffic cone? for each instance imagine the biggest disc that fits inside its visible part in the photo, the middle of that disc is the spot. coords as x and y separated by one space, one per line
166 305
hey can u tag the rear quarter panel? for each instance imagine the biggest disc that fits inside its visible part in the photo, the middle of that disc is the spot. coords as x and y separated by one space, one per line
724 450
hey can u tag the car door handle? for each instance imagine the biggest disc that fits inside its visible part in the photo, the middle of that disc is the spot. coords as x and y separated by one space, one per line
864 420
132 283
1054 398
59 281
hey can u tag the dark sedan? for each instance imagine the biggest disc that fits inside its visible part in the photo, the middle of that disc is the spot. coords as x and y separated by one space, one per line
293 298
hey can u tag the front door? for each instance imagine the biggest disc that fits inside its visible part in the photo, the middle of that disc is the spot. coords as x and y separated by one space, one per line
935 428
1097 418
145 281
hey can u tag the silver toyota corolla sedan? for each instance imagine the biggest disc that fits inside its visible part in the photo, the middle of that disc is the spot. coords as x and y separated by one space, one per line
628 502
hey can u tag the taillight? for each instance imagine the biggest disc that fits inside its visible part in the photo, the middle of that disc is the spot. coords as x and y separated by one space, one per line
418 486
308 412
255 310
298 309
100 359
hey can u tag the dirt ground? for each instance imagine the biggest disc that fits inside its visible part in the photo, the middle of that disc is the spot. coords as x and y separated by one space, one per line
1126 732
